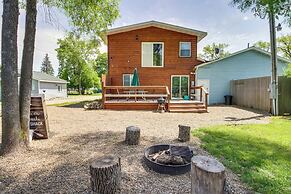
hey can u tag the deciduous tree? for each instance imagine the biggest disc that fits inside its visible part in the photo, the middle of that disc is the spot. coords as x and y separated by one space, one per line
76 57
287 72
101 64
262 8
214 51
284 45
87 17
27 67
263 45
9 78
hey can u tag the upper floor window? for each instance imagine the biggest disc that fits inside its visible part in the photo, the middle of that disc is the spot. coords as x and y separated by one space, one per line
152 54
185 49
127 79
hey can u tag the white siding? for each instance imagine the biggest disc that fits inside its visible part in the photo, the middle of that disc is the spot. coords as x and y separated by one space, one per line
51 90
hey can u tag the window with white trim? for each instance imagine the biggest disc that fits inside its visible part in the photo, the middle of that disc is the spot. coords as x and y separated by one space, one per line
127 79
185 49
152 54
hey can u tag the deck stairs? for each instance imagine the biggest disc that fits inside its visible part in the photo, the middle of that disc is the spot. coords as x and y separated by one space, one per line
192 106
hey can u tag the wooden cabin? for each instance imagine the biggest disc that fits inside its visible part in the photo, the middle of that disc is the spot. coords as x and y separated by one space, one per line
165 57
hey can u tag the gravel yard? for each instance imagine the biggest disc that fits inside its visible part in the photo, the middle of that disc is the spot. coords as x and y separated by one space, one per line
60 164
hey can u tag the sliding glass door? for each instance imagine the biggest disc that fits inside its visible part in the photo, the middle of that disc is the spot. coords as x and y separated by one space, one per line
180 86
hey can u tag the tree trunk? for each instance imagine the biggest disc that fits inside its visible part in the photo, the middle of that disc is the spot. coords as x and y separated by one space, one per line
9 78
207 176
80 84
132 135
184 133
105 175
26 67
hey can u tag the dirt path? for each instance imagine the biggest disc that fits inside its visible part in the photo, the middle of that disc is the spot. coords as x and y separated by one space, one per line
60 164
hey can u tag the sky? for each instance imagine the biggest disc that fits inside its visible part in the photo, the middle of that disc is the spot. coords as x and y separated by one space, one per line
223 23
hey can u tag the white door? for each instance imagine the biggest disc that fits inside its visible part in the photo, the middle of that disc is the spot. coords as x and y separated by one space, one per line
206 85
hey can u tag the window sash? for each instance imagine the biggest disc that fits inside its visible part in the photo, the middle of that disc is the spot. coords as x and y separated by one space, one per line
152 54
185 49
127 79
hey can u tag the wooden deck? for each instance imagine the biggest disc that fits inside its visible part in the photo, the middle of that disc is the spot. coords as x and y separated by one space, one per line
152 104
145 98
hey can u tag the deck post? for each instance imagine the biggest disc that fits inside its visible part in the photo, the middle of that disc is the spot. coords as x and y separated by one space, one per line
206 101
201 94
103 82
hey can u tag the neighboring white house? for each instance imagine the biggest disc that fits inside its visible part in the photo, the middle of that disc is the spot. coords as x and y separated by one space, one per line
248 63
50 86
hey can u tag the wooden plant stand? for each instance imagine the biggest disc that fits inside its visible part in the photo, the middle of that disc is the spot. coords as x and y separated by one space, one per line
105 175
207 176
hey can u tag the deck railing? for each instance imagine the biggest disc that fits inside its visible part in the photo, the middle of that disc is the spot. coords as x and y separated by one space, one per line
203 95
136 93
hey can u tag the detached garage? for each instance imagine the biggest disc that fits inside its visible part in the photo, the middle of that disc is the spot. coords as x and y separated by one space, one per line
248 63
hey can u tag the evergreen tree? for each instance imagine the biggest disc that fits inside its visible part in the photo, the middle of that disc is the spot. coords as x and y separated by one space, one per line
46 66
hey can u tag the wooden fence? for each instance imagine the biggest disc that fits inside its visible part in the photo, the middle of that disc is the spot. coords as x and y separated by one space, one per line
255 93
252 93
284 97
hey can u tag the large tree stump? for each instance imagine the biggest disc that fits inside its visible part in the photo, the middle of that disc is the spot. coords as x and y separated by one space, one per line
207 176
184 133
132 135
105 174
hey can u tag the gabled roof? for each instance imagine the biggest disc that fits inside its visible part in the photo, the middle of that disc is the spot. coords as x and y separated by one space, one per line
253 48
199 34
43 77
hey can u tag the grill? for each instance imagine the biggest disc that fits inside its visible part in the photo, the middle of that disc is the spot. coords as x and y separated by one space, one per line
161 100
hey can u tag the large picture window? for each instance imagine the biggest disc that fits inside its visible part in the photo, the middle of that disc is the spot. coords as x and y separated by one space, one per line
152 54
185 49
127 79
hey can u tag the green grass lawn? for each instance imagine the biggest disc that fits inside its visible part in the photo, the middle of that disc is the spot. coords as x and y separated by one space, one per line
259 153
78 104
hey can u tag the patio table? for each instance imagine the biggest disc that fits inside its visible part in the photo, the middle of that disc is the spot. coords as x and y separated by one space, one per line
135 92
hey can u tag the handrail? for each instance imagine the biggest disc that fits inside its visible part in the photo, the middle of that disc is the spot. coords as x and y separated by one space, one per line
205 92
167 90
133 87
151 92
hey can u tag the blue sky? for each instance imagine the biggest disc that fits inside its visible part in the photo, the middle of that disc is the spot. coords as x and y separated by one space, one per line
222 22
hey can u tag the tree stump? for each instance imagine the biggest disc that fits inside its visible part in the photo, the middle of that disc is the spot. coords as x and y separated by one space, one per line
105 174
132 135
184 133
207 176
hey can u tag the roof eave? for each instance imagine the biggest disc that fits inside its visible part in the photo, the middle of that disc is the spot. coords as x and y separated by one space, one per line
242 51
199 34
52 81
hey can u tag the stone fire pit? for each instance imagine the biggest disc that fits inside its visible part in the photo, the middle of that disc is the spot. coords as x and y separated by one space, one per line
168 159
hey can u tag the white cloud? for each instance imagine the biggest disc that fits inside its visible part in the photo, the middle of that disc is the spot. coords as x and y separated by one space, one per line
245 18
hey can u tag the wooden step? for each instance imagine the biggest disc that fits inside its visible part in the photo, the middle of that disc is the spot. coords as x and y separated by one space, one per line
186 106
183 110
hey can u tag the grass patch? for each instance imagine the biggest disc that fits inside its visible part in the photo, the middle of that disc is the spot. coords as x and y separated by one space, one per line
259 153
77 94
78 104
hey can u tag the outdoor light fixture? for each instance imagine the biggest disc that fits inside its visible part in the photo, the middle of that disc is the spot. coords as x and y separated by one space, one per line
279 27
